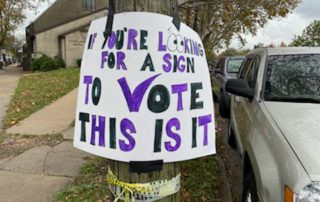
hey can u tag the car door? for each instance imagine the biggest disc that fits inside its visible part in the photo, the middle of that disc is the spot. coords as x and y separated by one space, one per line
243 107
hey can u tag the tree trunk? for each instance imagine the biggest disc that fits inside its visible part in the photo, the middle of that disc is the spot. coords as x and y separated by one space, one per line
169 170
165 7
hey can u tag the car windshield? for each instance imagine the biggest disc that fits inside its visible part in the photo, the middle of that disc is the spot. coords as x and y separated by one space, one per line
234 65
293 78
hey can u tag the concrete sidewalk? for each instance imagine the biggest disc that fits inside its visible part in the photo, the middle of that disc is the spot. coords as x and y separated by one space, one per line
53 119
33 188
9 78
38 173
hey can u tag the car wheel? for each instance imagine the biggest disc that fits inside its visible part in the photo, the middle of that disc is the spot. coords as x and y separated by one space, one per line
250 189
224 106
231 138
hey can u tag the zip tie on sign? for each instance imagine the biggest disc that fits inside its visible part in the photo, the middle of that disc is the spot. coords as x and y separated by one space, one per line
142 192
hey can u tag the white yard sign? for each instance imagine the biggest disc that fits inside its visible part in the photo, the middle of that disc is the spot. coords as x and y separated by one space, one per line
145 93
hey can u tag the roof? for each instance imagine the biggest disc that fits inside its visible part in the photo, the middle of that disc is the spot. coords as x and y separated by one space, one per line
288 50
62 12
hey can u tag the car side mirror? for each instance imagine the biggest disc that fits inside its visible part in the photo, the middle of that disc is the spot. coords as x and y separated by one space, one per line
218 71
239 87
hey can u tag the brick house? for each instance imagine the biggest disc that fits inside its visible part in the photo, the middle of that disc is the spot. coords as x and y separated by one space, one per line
61 30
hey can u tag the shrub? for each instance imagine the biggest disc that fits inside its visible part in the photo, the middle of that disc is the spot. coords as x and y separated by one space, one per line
59 62
45 63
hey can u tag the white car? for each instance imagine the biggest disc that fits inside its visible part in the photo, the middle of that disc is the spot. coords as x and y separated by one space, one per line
275 124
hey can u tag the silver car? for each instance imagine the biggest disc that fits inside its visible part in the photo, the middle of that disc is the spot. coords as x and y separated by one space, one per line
275 124
227 68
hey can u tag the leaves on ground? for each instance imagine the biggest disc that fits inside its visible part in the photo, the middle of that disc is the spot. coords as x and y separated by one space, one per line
201 180
38 90
13 145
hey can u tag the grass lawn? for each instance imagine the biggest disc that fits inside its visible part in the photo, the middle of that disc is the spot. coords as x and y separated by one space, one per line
89 185
36 91
201 181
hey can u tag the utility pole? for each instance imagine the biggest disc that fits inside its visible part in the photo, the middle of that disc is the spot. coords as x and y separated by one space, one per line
169 170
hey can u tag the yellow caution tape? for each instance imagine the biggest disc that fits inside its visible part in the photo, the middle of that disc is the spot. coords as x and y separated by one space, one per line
142 192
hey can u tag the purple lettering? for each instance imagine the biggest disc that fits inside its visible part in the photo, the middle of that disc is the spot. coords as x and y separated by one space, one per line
204 121
87 80
181 67
126 125
120 61
195 48
166 58
173 123
161 47
132 39
134 99
104 56
179 89
186 47
112 40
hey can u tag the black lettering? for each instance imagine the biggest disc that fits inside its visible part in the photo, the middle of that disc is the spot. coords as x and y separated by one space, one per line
96 91
195 95
111 61
194 132
120 38
190 65
158 136
175 63
84 118
112 128
148 63
90 41
159 99
143 40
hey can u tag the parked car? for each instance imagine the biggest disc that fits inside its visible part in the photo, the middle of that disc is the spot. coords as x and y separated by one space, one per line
2 64
211 66
227 68
275 123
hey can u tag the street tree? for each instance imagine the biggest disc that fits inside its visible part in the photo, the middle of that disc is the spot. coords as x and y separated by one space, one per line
12 15
309 37
219 21
233 52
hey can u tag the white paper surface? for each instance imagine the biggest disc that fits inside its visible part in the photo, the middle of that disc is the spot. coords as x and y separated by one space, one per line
134 134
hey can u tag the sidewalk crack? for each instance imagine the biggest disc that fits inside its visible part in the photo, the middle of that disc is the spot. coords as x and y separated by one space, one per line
45 163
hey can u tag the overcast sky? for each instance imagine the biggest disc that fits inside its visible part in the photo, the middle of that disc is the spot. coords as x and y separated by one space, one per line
275 31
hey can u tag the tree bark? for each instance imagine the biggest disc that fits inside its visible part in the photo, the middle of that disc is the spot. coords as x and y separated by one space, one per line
169 170
165 7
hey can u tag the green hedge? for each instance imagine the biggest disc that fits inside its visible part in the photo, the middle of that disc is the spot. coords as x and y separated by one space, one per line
45 63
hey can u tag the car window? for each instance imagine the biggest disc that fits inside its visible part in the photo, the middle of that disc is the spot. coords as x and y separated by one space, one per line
234 65
293 78
244 70
249 72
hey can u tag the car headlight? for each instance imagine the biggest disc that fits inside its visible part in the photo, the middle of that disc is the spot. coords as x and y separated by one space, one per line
310 193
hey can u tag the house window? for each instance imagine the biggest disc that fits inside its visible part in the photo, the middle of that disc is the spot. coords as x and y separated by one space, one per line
88 5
